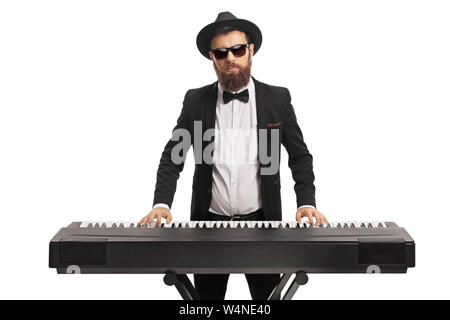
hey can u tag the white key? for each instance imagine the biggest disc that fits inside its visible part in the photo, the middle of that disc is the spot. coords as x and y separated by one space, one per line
84 224
201 224
376 224
192 224
175 224
364 224
292 224
250 224
304 225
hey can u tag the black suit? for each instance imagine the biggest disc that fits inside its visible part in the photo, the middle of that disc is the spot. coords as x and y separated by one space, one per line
274 111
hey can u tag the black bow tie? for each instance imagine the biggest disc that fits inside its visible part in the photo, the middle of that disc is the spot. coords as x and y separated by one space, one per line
228 96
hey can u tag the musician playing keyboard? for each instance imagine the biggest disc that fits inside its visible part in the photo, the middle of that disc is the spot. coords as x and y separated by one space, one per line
229 188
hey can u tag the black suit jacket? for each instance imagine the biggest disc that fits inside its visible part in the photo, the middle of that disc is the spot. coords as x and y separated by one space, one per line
274 111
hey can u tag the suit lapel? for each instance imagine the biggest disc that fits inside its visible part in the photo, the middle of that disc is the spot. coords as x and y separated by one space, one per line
261 110
261 103
210 107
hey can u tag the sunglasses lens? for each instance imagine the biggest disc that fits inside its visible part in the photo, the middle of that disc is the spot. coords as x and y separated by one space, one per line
220 53
239 51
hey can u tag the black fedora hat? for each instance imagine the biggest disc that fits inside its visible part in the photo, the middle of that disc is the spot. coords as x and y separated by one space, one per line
226 18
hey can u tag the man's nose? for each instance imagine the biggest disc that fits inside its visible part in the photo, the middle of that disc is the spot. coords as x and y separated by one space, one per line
230 56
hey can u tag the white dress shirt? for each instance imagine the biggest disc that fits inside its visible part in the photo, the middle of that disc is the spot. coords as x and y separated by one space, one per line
236 183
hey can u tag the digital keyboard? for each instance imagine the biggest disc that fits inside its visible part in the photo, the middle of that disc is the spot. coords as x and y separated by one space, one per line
232 247
182 247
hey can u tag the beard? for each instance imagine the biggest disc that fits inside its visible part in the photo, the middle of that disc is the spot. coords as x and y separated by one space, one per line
232 81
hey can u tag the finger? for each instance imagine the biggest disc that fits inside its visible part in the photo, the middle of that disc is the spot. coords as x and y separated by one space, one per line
322 219
143 220
310 218
151 218
158 217
168 218
318 218
298 217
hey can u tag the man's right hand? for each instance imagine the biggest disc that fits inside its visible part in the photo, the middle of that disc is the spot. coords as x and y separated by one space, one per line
157 213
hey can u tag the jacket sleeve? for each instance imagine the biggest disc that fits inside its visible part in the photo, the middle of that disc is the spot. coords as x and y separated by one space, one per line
300 160
169 171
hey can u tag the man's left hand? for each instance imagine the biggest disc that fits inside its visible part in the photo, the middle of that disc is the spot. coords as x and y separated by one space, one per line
310 213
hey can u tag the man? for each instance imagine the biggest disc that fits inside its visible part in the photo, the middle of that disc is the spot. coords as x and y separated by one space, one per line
229 189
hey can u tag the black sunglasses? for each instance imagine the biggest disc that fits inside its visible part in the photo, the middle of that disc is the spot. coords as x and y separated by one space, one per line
238 50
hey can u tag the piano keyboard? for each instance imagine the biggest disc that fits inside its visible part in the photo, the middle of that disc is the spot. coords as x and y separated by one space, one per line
232 247
234 224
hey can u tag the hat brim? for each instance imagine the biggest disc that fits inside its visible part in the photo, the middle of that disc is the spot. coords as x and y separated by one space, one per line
205 35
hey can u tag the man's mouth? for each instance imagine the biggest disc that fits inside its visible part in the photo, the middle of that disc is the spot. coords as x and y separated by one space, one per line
232 68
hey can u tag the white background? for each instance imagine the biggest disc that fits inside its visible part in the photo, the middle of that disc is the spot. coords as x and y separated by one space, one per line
90 91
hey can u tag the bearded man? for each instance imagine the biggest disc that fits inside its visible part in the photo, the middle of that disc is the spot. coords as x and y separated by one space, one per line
239 183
